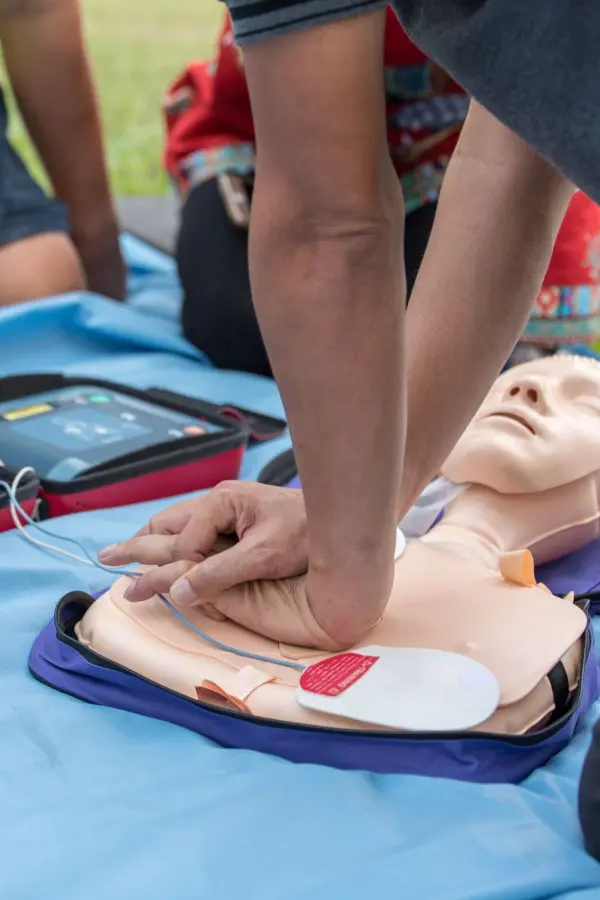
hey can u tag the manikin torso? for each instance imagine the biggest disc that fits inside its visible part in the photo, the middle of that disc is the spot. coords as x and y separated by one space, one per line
464 587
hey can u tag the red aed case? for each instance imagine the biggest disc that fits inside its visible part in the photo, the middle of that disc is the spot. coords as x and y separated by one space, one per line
164 469
27 493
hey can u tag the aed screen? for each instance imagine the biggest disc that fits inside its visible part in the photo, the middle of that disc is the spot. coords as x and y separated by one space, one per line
64 432
76 429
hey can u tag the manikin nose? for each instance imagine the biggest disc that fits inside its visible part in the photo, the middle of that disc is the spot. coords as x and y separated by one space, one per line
530 392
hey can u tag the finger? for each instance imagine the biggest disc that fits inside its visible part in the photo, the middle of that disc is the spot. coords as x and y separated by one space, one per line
151 550
215 514
172 519
243 562
169 520
157 581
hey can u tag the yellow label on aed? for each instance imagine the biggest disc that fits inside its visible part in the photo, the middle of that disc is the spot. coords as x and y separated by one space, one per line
27 411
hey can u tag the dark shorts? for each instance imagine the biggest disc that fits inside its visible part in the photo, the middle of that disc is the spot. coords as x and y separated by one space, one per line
25 210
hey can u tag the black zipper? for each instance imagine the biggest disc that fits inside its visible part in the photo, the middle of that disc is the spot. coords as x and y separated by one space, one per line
518 740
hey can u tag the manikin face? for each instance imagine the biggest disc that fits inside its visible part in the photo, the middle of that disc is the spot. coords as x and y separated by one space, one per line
538 429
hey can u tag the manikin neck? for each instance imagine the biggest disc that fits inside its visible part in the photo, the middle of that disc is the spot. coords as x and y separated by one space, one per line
482 524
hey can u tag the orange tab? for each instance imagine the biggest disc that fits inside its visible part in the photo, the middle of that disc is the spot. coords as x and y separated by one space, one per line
209 687
518 568
236 687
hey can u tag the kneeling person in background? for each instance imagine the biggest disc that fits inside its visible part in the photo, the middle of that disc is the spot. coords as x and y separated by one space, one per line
210 156
52 245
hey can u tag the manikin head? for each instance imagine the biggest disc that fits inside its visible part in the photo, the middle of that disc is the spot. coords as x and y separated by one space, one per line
538 429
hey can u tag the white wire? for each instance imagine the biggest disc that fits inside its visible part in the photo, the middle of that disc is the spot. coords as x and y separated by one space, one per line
16 509
24 533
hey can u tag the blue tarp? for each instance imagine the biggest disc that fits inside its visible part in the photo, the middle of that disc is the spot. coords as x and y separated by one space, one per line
98 804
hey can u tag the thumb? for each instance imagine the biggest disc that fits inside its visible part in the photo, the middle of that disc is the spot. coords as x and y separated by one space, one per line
219 573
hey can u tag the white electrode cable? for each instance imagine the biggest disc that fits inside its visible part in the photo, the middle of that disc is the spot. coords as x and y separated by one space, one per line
17 510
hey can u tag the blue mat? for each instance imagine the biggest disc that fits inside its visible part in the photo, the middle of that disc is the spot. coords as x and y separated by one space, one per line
96 803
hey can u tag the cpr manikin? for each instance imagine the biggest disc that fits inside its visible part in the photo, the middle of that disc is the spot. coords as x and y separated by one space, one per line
531 458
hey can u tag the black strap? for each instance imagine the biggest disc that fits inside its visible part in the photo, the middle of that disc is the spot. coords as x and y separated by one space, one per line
559 683
585 600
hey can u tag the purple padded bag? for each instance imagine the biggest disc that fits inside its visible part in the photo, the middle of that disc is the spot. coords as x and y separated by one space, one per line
60 661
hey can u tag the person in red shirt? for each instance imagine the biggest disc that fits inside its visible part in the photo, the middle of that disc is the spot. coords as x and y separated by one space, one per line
210 158
566 314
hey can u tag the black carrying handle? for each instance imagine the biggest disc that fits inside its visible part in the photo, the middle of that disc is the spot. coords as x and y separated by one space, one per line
29 486
280 471
16 387
260 426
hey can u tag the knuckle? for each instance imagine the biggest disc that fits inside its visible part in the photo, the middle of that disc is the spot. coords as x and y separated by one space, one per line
170 550
227 490
263 551
144 586
125 549
154 524
246 517
184 548
179 548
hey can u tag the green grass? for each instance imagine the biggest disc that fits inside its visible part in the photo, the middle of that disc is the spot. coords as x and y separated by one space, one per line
137 49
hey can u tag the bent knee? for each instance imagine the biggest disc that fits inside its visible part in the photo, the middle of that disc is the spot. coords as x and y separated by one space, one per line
39 266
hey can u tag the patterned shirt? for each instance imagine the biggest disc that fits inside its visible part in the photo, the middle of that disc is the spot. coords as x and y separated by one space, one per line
210 130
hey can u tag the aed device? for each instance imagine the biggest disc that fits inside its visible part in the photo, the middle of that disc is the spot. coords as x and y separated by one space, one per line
95 444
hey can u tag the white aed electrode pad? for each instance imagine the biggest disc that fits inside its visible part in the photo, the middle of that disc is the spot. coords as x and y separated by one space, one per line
404 688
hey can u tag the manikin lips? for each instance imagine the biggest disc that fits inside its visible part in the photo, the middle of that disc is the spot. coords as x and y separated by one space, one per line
514 417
